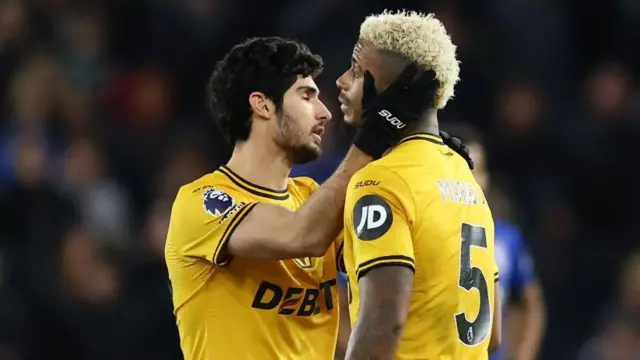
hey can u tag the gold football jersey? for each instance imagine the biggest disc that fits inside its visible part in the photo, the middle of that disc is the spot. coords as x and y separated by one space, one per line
240 308
420 207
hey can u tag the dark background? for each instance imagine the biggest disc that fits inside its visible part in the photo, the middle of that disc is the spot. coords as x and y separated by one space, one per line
103 116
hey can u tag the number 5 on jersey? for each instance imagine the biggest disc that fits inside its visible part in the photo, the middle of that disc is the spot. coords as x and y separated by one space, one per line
471 277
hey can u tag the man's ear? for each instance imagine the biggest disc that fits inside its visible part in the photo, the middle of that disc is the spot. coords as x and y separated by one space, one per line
261 105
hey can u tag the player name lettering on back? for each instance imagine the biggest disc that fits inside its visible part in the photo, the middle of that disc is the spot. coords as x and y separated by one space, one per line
460 192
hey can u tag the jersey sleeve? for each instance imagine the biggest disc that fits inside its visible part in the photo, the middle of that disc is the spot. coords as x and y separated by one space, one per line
523 273
305 184
339 245
202 222
378 218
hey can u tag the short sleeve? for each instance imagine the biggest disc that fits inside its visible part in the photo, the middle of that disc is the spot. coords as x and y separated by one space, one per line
523 273
202 223
378 213
305 184
339 245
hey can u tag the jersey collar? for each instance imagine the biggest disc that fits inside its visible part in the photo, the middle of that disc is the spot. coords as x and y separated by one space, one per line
253 188
423 136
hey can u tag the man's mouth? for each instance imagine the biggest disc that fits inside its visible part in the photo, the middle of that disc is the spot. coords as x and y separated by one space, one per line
343 99
317 133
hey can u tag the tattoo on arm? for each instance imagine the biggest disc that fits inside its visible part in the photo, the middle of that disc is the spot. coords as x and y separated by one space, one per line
385 293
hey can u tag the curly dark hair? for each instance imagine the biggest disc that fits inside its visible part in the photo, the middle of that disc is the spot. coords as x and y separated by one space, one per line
269 65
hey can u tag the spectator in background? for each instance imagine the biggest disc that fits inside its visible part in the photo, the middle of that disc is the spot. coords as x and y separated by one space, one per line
32 99
619 335
103 204
518 283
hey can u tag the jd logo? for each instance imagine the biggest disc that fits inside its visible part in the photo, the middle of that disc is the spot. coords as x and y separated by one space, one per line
372 217
302 302
392 119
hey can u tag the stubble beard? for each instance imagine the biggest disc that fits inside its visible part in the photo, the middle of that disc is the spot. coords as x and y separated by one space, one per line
290 140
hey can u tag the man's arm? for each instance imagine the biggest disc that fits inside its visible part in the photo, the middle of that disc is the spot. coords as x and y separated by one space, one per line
385 294
274 232
534 318
378 213
344 328
530 301
496 330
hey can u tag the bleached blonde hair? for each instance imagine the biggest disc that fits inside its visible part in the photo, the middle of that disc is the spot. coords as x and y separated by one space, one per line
421 38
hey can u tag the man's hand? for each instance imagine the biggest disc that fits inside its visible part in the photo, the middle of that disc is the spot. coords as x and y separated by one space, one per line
458 146
386 115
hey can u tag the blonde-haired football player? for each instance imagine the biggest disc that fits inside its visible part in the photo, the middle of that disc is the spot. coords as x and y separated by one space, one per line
419 235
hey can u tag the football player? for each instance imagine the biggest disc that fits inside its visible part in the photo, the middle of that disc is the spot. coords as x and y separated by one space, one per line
419 234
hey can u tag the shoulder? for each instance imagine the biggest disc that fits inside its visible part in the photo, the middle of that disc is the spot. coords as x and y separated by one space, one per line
378 183
302 187
378 174
304 183
213 193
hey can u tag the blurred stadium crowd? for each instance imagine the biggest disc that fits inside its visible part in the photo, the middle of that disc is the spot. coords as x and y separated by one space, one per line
103 117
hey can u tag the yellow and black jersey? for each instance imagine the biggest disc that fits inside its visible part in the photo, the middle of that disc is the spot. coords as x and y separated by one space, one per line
240 308
420 207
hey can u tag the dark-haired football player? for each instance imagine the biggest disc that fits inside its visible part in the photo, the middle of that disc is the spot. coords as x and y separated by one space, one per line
253 269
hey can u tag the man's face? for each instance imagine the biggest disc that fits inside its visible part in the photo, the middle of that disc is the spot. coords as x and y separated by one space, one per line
350 84
300 123
384 68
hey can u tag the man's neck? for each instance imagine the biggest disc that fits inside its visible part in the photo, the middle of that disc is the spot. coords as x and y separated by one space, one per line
261 164
427 125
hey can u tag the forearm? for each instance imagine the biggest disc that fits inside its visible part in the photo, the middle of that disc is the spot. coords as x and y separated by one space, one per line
534 318
344 328
268 231
385 294
374 338
531 337
319 220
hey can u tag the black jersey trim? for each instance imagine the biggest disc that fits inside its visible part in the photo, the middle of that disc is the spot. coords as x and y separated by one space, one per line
219 258
253 188
340 258
380 261
423 136
364 272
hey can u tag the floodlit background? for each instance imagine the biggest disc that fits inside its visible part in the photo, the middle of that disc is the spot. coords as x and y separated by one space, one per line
103 117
